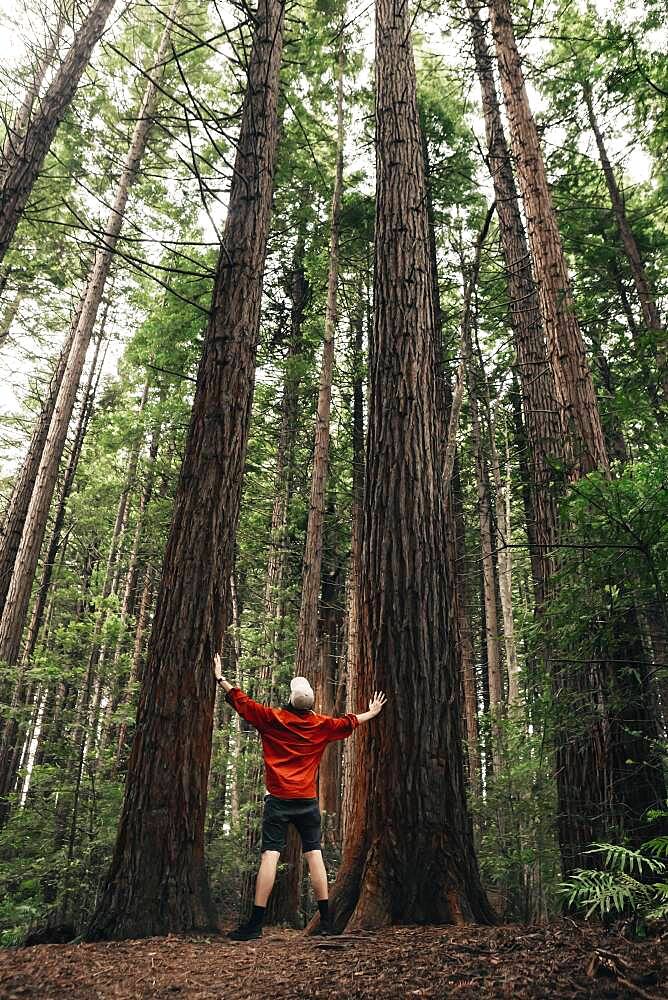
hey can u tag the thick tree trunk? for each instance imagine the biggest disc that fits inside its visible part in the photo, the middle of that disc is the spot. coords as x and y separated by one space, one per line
158 882
578 407
18 595
23 158
306 660
414 801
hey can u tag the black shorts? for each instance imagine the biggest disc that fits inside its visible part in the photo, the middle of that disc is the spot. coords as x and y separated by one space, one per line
302 813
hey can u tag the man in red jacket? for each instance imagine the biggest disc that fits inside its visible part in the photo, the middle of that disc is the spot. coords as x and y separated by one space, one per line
294 739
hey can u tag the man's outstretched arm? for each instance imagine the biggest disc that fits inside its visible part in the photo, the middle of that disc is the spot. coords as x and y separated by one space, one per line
375 707
258 715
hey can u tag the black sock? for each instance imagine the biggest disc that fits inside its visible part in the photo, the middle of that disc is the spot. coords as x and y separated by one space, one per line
257 916
323 906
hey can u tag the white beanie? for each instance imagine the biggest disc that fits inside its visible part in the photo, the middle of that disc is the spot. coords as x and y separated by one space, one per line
301 693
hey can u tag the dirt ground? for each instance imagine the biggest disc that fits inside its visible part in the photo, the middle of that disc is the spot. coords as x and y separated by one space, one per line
562 959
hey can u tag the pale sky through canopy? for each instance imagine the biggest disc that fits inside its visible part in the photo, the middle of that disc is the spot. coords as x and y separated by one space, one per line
12 52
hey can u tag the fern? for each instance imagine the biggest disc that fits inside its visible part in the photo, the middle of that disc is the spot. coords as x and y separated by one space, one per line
615 890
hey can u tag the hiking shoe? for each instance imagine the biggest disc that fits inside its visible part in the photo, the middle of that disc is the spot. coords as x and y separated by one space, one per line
246 932
324 930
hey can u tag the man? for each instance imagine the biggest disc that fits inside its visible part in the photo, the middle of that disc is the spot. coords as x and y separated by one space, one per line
294 739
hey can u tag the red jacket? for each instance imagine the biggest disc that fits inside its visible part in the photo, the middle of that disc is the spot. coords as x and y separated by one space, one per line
293 743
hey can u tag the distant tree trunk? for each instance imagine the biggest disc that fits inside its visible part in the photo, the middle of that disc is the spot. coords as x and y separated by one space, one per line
16 129
450 403
158 882
274 599
352 765
307 637
600 713
505 563
148 588
131 580
23 157
283 906
646 297
581 424
329 785
502 539
539 397
495 680
12 735
9 314
466 641
15 517
414 801
18 595
59 519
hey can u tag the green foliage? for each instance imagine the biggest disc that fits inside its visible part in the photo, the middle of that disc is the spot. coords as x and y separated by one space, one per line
516 843
628 883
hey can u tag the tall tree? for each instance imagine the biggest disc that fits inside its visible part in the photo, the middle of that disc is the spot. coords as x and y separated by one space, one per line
580 418
607 720
158 881
307 640
648 304
23 158
413 800
18 595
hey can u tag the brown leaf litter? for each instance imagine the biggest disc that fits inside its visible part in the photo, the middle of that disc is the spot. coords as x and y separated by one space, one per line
560 959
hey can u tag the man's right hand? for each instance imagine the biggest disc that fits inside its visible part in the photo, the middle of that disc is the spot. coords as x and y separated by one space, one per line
375 706
376 703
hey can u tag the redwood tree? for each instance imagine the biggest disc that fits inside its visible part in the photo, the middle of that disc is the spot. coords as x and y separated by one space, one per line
158 882
409 854
23 158
607 767
27 553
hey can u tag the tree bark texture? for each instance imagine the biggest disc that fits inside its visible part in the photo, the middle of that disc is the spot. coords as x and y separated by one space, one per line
580 419
158 882
18 596
414 801
22 161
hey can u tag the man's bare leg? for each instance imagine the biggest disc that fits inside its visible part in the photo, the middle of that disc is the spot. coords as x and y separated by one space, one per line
264 883
266 876
318 873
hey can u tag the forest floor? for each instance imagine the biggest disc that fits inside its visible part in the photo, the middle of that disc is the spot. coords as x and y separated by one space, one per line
560 959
